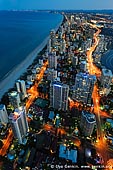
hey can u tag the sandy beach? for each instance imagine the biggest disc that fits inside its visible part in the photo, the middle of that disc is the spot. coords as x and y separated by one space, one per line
10 79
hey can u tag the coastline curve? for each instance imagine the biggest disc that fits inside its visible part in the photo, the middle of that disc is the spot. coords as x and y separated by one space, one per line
15 73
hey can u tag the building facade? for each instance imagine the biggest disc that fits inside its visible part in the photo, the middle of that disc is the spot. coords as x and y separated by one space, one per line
52 60
84 84
19 124
52 74
75 61
14 99
3 114
59 96
83 66
21 88
106 79
53 38
87 123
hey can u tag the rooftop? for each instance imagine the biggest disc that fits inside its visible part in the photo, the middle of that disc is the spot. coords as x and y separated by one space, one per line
110 121
86 75
13 93
66 153
51 115
16 114
59 84
107 72
20 81
89 116
41 102
2 106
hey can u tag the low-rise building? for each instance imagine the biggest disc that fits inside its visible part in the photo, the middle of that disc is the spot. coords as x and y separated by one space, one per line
68 154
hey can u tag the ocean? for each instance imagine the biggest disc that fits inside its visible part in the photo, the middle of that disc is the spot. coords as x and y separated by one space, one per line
20 33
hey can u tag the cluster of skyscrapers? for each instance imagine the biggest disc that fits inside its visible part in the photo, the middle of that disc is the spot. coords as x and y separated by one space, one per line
15 97
19 124
84 84
59 92
17 118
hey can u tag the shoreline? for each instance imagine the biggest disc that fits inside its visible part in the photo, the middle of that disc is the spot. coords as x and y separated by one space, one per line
9 81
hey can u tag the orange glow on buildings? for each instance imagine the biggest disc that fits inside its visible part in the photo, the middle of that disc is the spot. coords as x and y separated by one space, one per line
101 142
91 67
34 93
52 129
93 70
33 90
110 164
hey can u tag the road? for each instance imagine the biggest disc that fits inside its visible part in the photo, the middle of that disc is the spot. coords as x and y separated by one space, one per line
101 145
93 70
91 67
90 108
34 93
6 143
52 129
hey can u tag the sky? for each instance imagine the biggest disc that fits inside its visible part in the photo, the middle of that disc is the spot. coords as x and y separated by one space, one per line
56 4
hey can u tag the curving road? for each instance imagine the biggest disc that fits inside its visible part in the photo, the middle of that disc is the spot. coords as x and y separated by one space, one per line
33 90
34 93
93 70
6 143
101 145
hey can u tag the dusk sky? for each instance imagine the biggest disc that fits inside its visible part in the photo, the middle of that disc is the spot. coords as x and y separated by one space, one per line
56 4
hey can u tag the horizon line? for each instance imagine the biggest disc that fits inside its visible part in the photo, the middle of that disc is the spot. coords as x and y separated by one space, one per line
56 9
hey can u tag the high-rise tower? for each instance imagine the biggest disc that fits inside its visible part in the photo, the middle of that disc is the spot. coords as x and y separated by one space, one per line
21 88
19 123
52 38
87 123
84 84
59 96
14 99
52 60
3 114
